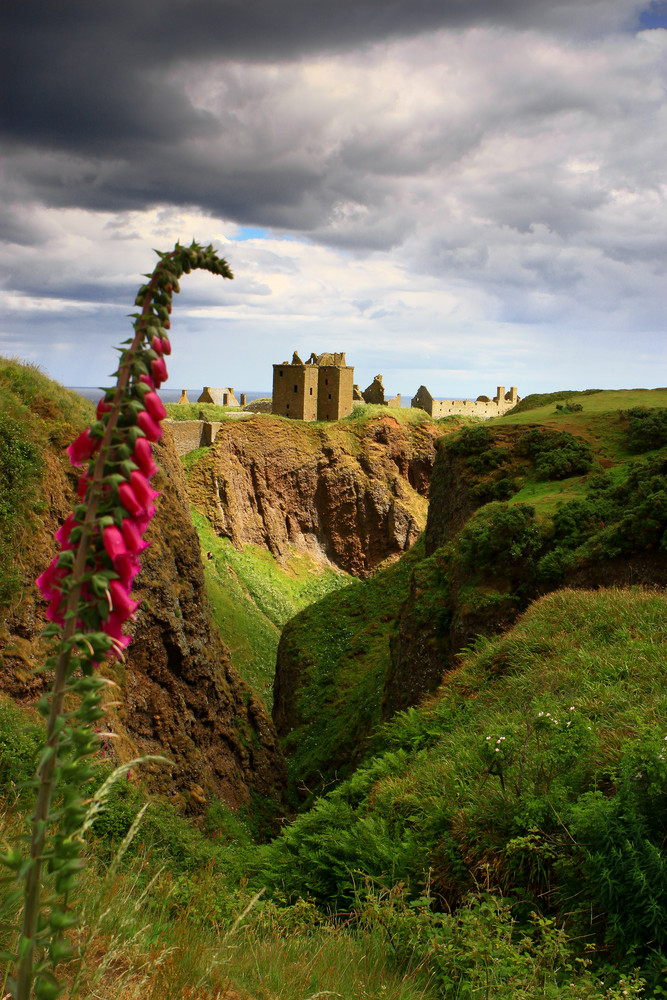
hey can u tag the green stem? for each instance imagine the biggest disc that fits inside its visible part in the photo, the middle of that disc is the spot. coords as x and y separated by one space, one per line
46 773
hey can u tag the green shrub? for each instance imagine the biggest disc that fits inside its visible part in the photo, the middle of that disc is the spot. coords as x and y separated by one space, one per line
21 742
556 455
647 430
498 535
500 489
20 466
471 440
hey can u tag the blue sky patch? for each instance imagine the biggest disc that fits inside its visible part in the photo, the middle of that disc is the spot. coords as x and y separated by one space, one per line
655 15
250 233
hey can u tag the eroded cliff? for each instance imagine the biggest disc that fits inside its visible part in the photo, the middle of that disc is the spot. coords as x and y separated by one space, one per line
179 694
351 494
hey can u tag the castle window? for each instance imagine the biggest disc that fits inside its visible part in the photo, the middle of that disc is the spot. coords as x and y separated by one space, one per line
295 388
287 406
311 390
281 373
326 381
329 395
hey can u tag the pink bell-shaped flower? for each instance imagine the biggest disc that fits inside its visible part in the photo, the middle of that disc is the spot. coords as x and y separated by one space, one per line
143 490
83 448
129 500
122 603
155 406
143 457
151 429
132 536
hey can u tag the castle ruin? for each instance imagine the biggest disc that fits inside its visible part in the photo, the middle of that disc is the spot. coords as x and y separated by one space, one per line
481 407
374 393
221 397
319 389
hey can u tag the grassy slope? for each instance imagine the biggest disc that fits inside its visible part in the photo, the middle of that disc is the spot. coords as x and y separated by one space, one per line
34 412
434 815
252 597
341 688
602 423
343 646
539 770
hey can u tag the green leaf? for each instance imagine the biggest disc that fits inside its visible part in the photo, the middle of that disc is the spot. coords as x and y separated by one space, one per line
47 987
12 859
47 753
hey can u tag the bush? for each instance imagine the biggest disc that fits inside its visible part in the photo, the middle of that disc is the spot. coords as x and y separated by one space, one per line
471 441
647 430
556 455
501 489
21 742
498 535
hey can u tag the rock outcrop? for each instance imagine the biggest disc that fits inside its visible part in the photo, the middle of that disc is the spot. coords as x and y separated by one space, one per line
351 495
179 694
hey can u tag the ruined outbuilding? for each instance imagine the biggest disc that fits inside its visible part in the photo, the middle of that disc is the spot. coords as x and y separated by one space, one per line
220 397
319 389
374 393
481 407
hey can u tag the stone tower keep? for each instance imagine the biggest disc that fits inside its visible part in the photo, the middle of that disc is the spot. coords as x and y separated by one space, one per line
319 389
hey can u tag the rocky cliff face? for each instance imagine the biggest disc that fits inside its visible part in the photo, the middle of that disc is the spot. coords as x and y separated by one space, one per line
179 693
351 495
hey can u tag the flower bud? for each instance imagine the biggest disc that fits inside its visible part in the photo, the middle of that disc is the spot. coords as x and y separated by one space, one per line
151 429
83 448
159 372
143 457
155 406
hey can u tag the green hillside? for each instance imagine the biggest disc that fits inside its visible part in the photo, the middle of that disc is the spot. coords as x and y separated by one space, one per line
253 596
515 511
476 738
34 412
524 801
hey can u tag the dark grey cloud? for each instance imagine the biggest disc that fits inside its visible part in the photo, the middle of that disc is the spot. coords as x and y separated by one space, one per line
444 167
93 78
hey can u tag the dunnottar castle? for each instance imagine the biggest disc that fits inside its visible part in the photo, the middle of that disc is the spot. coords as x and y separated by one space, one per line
323 388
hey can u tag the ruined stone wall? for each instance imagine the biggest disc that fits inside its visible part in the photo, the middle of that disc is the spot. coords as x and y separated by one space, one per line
374 393
191 434
187 434
423 400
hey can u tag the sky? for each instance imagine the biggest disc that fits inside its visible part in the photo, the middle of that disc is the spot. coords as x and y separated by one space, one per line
456 193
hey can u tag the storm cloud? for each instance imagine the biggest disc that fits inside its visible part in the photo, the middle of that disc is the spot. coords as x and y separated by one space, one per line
457 168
